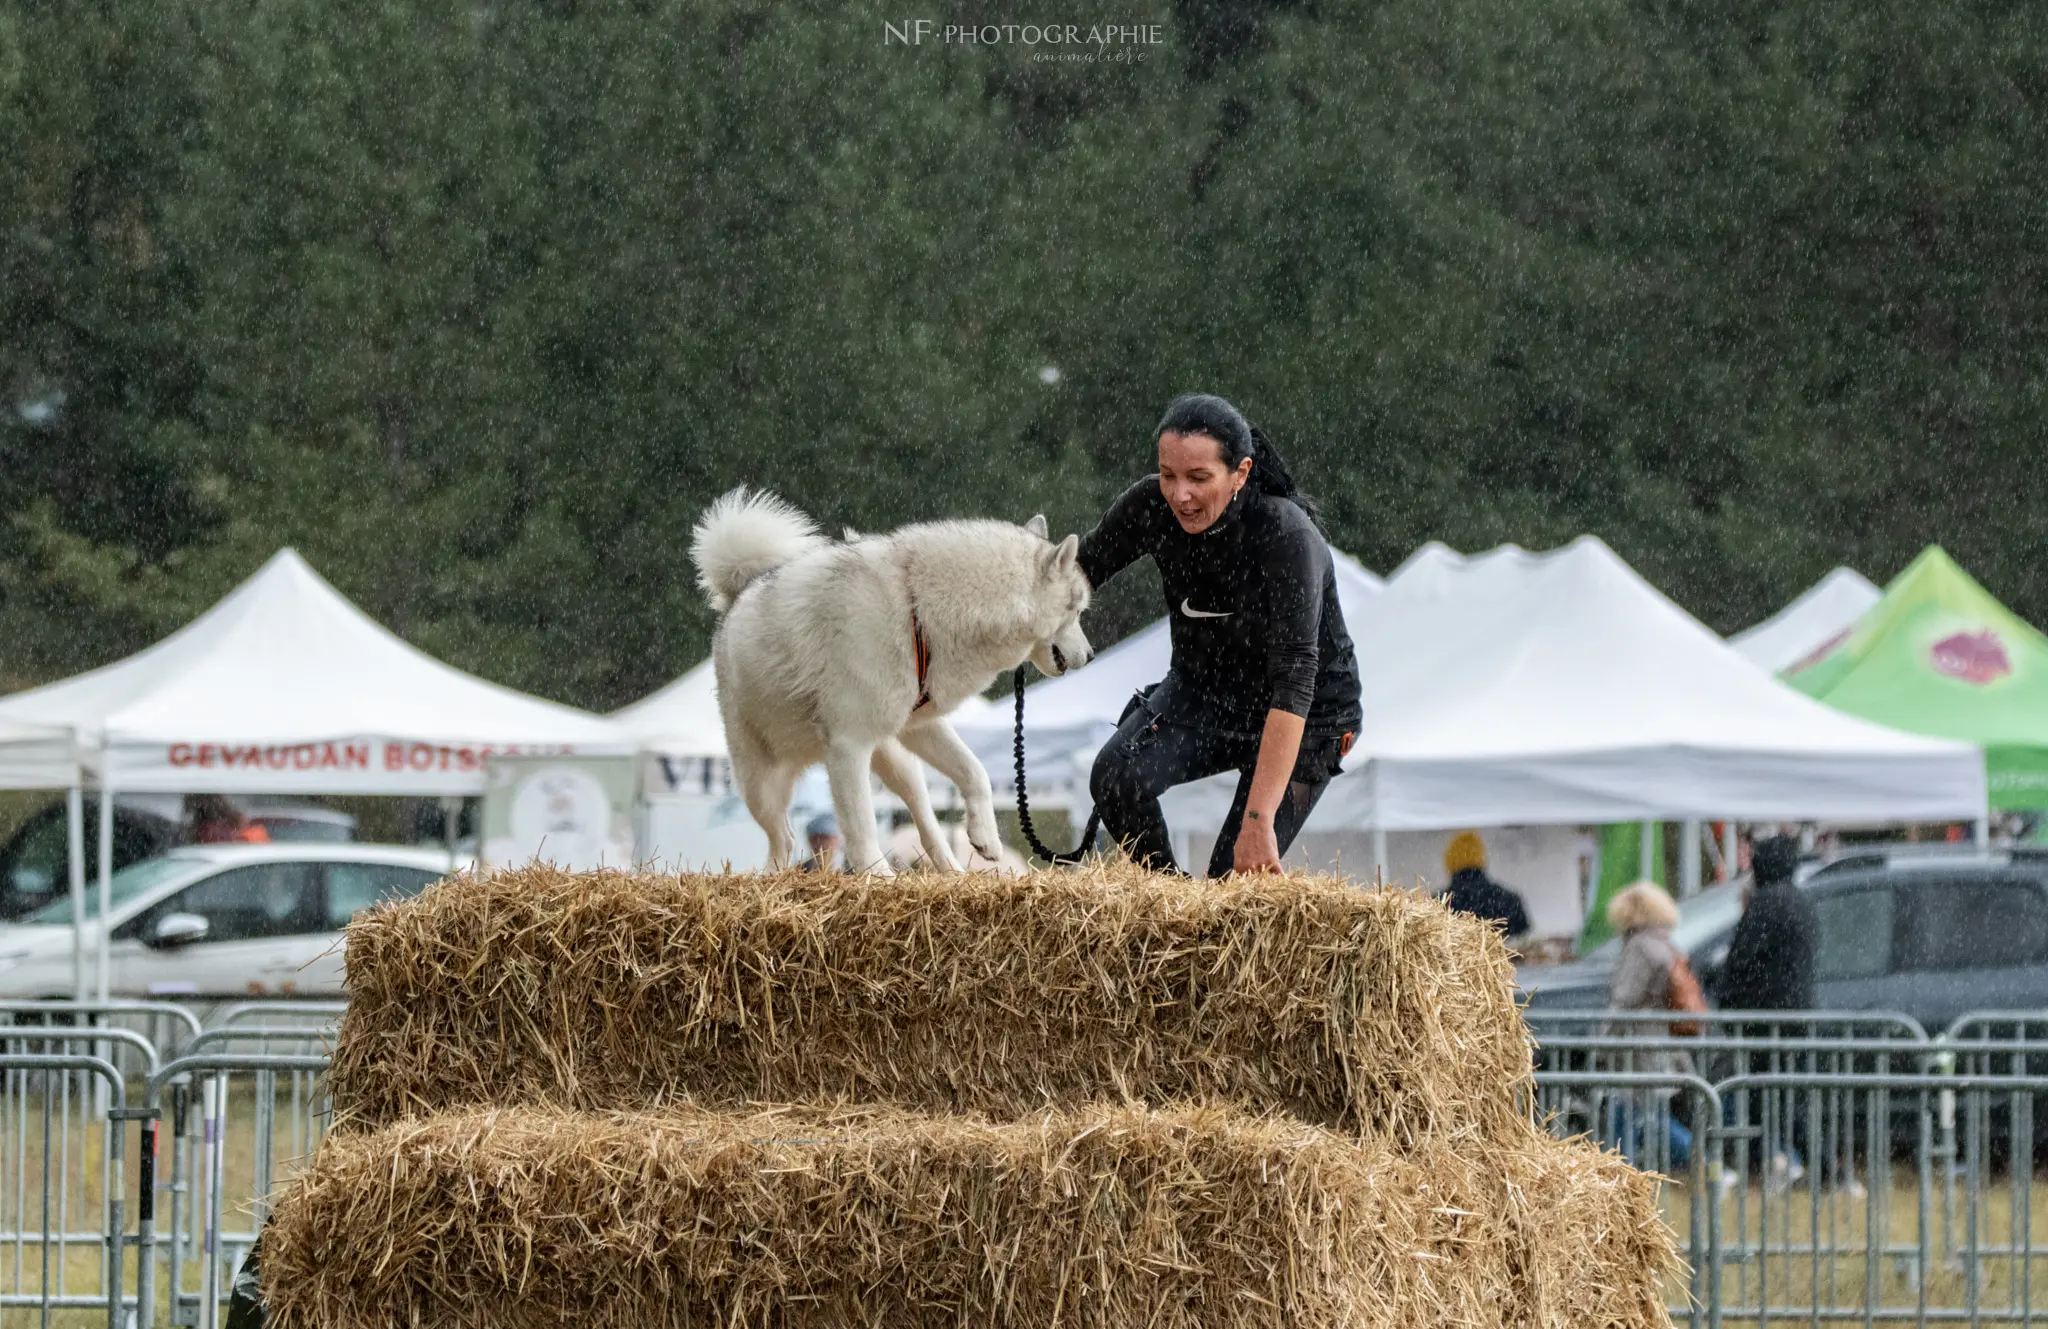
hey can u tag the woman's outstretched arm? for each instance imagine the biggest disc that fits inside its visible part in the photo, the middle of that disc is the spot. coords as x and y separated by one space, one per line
1258 846
1126 533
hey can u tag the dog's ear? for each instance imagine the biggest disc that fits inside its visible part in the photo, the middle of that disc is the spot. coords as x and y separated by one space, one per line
1038 527
1061 557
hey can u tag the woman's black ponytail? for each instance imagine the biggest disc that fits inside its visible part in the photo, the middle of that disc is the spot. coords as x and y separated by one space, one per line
1200 413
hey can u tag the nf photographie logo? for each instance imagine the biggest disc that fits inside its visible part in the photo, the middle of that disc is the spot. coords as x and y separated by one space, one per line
1095 37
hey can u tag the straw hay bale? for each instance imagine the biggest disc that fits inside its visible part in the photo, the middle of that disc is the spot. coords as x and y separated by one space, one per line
1355 1009
1189 1218
1595 1247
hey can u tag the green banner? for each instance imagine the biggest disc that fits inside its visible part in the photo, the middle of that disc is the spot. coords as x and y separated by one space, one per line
1621 866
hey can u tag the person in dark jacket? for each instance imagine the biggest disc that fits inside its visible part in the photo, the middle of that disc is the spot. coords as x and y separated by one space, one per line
1770 958
1770 967
1473 892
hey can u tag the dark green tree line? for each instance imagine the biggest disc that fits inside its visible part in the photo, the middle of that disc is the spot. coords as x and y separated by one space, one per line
478 307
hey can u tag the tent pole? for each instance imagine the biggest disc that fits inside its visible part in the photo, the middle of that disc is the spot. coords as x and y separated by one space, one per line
1646 860
1379 829
74 817
106 876
451 821
1984 830
1728 848
1689 860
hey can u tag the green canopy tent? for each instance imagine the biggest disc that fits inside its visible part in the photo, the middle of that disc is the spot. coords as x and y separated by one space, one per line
1938 654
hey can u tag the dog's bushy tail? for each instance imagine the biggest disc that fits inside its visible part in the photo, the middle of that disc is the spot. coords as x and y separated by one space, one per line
742 535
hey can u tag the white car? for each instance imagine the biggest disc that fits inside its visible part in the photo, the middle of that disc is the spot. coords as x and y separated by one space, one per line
226 920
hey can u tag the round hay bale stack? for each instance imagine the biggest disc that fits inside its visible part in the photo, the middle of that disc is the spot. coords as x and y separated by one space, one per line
1189 1218
1361 1010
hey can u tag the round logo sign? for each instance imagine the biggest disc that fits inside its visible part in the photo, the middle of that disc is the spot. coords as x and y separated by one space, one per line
1973 657
562 815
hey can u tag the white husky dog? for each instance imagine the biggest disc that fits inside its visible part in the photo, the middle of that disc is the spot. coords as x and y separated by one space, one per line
853 654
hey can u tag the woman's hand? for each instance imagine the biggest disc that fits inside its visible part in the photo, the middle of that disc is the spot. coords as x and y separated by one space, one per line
1257 849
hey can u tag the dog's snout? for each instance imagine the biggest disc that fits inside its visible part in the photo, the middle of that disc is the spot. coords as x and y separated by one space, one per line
1066 659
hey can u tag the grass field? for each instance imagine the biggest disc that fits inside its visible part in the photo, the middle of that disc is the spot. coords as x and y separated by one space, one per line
1802 1255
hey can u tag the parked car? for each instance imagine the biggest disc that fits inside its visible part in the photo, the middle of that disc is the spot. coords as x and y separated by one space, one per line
300 823
225 920
1930 931
34 863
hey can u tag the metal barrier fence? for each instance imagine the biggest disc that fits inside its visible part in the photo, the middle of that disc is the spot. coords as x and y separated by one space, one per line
1847 1169
165 1024
236 1123
308 1014
62 1137
1817 1169
218 1127
1837 1198
1783 1026
58 1160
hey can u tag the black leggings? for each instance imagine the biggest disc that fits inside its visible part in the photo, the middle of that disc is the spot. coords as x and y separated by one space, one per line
1150 755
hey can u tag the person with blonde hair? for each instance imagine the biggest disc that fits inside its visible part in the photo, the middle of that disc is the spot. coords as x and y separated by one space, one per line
1643 916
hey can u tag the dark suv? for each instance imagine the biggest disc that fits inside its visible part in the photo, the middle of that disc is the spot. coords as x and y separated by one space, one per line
1932 935
1923 930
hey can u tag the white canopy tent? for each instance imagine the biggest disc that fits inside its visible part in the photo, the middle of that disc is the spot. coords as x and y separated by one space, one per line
285 687
1067 718
681 720
44 757
1816 620
34 756
1524 689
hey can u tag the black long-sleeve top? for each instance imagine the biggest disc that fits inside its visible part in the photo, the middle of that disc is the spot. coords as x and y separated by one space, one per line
1253 604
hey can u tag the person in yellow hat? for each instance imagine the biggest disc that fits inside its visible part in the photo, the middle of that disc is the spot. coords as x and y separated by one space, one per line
1473 892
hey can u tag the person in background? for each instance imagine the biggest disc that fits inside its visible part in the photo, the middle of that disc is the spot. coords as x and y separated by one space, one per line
1473 892
1770 967
212 819
1643 916
1770 957
823 833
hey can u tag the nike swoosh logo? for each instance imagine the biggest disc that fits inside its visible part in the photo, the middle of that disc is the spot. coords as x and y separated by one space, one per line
1193 612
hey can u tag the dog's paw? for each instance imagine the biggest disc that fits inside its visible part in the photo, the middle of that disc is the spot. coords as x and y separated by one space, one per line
982 834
